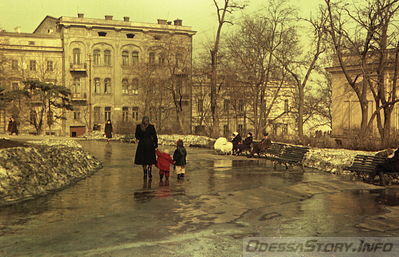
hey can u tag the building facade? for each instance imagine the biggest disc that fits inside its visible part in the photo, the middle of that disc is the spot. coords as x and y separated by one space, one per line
237 108
116 69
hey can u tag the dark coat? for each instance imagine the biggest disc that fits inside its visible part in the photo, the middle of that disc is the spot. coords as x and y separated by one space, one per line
9 127
390 164
248 141
236 140
14 128
179 156
108 130
148 141
261 146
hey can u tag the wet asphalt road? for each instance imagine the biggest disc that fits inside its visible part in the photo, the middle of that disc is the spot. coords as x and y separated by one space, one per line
222 200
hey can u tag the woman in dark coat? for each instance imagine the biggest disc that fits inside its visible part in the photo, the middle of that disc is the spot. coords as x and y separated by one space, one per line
108 130
390 165
148 143
9 127
236 140
14 127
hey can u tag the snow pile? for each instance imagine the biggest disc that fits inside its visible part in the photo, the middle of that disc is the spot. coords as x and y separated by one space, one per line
188 140
57 142
332 160
99 135
223 146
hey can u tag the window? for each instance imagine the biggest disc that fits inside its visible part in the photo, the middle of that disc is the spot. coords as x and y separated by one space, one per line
107 113
125 58
96 57
161 59
226 130
14 65
125 86
240 105
151 58
31 43
76 87
97 88
179 60
97 114
135 113
200 105
226 105
135 57
14 85
76 115
32 65
135 86
286 107
102 34
76 56
50 66
107 86
107 57
130 35
157 37
125 114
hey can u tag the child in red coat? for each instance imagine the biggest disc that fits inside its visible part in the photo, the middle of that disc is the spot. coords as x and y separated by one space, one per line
163 164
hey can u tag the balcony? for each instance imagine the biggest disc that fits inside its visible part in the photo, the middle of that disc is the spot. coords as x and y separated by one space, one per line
79 98
81 67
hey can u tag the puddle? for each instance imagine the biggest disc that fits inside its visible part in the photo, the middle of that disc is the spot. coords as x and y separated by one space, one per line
389 197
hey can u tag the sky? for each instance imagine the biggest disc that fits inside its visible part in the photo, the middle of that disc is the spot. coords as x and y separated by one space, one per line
199 14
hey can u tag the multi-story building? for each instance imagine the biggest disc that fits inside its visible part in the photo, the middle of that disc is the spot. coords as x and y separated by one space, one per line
115 69
237 108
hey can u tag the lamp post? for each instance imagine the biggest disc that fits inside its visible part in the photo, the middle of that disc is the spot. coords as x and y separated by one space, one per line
89 97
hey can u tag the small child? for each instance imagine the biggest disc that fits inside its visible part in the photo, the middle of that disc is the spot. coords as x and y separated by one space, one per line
179 157
163 164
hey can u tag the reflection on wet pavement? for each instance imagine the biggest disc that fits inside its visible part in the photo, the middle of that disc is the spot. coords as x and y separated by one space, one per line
221 201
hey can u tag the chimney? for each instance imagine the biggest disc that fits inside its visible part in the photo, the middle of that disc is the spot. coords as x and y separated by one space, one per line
81 15
178 22
161 21
108 17
126 18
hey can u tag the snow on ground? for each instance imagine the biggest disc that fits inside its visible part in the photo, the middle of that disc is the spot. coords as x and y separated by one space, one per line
188 140
57 142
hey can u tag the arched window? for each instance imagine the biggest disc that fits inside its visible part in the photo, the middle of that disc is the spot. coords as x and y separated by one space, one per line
96 57
107 57
107 86
76 56
151 57
135 86
97 89
135 57
125 58
125 86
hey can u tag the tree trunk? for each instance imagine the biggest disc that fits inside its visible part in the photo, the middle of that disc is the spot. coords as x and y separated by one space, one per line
301 104
215 120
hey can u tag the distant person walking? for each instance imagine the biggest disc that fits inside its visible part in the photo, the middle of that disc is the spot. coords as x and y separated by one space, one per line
179 158
148 143
108 130
14 127
9 127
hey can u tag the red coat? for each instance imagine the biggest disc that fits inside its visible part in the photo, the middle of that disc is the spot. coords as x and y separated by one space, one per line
163 161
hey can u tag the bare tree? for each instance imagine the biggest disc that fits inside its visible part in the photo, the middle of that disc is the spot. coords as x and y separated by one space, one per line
224 8
367 35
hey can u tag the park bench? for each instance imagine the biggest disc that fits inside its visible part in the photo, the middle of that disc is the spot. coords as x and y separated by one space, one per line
289 155
367 164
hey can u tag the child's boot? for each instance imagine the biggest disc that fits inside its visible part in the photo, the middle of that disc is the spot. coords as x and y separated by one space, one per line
145 173
160 177
149 172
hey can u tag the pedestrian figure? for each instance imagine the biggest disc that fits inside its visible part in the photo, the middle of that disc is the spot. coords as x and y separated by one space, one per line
236 140
164 161
179 157
260 147
9 127
148 143
108 130
246 145
14 127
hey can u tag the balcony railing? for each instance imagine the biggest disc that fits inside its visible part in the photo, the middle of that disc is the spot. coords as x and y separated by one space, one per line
81 67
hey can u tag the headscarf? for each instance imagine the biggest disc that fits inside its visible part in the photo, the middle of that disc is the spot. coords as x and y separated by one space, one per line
144 123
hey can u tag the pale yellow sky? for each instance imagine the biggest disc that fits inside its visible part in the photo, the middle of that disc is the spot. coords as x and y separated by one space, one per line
200 14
